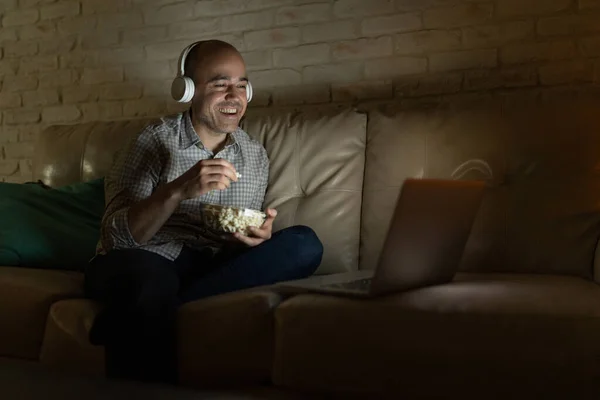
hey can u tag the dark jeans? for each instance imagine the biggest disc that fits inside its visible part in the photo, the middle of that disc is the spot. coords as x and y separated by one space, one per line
141 291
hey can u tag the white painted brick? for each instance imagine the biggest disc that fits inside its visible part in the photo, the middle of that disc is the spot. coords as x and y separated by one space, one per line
121 91
579 71
333 73
80 94
93 76
128 20
10 100
272 38
257 60
276 77
29 133
150 71
9 67
26 167
302 94
309 54
61 9
533 52
99 40
78 59
569 25
500 78
17 151
262 4
587 4
64 113
8 34
427 41
165 51
497 35
144 107
31 3
40 98
329 31
590 46
20 17
38 63
20 49
18 117
457 15
363 48
365 90
110 57
303 14
104 6
58 46
20 83
245 22
101 111
391 68
360 8
9 167
428 85
168 14
468 59
210 8
60 78
157 88
8 135
77 25
194 29
391 24
38 31
511 8
145 35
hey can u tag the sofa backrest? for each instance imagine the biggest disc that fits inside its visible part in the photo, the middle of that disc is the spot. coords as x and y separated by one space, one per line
542 211
316 179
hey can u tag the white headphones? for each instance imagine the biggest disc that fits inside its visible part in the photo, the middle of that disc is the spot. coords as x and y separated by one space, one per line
183 88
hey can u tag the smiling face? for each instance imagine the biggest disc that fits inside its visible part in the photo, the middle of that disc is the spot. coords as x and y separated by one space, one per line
220 99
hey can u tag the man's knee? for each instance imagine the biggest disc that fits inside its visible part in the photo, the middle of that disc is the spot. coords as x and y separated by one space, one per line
307 248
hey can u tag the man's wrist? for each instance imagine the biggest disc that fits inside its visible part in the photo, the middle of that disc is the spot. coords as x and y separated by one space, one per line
172 193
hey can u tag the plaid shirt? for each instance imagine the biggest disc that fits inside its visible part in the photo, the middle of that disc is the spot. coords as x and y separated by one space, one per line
161 153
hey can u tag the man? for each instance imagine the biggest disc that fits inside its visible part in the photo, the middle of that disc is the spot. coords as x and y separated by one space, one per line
154 253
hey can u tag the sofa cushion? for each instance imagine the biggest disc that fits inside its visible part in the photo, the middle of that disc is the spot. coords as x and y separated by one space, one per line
50 228
25 299
223 340
543 211
316 176
480 331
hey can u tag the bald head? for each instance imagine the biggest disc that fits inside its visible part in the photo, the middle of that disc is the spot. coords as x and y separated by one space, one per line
203 53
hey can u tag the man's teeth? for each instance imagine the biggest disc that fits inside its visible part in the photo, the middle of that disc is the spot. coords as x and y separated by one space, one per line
228 110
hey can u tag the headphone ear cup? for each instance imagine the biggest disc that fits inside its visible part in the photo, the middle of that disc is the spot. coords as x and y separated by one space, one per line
182 89
249 92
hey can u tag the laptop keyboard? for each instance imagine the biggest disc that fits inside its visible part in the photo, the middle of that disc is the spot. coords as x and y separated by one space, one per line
359 284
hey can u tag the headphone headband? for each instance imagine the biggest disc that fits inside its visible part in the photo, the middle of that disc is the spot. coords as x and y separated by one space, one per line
183 57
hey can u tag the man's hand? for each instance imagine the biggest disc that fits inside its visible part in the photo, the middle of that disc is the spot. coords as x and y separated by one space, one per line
259 235
206 175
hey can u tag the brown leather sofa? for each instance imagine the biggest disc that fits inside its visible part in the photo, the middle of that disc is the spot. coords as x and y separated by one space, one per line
522 316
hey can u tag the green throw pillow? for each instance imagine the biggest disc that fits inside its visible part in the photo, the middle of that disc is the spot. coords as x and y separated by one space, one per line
50 228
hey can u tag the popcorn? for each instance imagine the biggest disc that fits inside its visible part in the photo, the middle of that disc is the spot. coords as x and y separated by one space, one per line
238 175
231 219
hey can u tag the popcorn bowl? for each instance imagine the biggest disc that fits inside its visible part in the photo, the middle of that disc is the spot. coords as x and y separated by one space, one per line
228 219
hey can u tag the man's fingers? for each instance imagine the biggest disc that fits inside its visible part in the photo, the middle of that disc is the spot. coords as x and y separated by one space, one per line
216 178
220 170
248 241
264 234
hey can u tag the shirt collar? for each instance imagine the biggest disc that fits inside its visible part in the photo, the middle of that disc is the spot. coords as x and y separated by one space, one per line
189 137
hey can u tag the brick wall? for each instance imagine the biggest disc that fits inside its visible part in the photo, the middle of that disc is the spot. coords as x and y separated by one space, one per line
67 61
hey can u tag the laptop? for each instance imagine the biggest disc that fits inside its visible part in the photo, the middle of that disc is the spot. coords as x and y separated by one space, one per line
423 247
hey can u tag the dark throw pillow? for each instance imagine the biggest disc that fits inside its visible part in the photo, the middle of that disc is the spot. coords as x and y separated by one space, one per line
50 228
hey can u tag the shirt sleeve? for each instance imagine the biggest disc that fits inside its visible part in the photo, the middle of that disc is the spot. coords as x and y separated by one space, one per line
263 181
133 177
